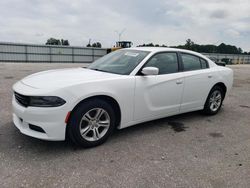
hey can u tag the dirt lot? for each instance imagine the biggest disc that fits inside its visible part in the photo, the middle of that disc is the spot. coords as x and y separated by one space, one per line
189 150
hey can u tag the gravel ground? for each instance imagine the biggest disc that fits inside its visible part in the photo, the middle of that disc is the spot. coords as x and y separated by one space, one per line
189 150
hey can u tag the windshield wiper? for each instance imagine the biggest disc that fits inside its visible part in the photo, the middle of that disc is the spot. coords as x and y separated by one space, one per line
99 70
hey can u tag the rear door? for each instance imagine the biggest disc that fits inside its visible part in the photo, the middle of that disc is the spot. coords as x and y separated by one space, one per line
198 82
159 95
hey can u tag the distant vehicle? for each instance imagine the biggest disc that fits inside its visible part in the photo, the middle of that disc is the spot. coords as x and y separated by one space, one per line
121 89
120 45
218 62
227 61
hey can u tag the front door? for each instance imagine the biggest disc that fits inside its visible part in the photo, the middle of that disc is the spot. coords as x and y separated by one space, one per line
159 95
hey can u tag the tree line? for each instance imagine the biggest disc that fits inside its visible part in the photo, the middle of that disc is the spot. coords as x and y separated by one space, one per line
189 45
208 48
62 42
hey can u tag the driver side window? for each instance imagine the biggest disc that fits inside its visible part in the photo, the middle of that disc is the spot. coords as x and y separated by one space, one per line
166 62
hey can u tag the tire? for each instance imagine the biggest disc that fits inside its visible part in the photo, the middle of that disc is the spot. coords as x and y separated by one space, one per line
91 123
214 101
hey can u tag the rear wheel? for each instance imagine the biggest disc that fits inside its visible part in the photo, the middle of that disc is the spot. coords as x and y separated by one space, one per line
214 101
91 123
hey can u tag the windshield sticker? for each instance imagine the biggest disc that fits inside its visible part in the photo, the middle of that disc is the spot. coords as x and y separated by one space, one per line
131 54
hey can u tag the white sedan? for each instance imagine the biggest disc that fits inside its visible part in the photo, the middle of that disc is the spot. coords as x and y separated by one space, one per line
121 89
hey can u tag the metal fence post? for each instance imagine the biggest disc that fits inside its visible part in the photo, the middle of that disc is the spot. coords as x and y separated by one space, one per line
50 54
73 58
26 53
93 55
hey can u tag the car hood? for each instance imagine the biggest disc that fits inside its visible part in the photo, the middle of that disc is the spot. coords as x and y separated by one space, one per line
65 77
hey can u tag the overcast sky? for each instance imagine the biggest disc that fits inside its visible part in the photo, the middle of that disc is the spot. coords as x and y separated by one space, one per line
167 22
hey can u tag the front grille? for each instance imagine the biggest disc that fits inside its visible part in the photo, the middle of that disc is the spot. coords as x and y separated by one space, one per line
22 99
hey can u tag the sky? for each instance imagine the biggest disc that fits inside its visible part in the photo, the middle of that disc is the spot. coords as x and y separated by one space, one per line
168 22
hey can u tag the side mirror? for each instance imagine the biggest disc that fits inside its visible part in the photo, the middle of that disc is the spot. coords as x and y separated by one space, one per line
150 71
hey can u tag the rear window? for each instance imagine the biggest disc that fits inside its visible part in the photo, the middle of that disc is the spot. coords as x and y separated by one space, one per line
192 62
204 64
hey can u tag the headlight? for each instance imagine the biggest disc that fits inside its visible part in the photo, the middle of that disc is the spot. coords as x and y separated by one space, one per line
46 101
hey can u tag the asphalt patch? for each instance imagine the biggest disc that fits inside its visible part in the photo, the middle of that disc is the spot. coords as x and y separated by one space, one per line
8 77
177 126
237 85
216 135
244 106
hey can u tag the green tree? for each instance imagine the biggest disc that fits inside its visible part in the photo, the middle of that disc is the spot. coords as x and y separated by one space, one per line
150 44
95 45
64 42
189 44
54 41
98 45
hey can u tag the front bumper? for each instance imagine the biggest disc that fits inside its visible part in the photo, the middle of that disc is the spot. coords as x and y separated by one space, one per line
51 120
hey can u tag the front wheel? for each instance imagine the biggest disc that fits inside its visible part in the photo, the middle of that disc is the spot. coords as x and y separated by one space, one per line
214 101
91 123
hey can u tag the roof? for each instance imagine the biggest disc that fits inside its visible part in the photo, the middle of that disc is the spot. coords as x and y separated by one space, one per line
163 49
159 49
153 49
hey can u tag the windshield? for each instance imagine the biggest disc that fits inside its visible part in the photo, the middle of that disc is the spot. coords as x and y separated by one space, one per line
119 62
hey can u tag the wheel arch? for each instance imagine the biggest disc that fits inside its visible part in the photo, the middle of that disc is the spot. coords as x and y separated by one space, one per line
224 89
106 98
222 86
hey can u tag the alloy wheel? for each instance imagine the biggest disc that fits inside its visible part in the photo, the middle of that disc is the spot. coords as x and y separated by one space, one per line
215 100
94 124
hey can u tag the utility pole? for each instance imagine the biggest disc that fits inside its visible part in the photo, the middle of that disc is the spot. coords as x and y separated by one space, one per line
120 33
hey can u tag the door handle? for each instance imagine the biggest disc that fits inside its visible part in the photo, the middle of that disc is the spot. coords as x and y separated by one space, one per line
179 82
210 76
